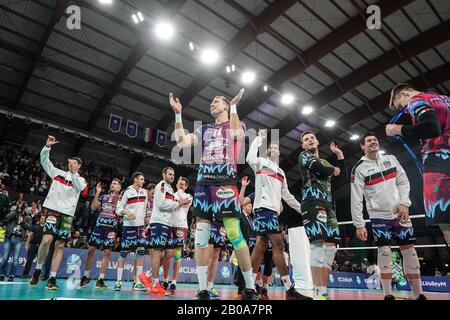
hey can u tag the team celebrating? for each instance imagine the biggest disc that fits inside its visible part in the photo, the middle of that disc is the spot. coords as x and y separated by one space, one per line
152 220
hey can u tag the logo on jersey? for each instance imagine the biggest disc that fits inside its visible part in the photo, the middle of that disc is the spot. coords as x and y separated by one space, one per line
406 224
225 193
51 220
180 234
111 235
322 216
222 232
216 144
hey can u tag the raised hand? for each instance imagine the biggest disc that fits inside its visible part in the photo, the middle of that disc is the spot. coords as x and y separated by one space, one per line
335 149
245 181
175 104
262 134
98 188
51 140
236 99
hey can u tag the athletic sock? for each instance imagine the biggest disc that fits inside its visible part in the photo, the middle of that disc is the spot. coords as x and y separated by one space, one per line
210 285
39 266
254 277
287 282
101 276
119 274
174 282
155 281
266 286
138 272
166 279
202 274
87 273
52 274
322 290
386 284
416 287
148 273
248 277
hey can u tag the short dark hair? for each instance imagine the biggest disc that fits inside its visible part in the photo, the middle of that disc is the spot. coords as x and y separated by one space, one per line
150 186
305 133
80 162
164 171
398 88
136 175
362 140
115 179
186 180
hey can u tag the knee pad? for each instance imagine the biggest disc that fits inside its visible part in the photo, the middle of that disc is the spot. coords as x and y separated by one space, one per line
234 233
140 252
177 254
330 253
384 259
317 254
410 261
124 253
202 233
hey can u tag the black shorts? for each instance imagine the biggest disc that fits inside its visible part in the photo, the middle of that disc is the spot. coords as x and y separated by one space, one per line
265 222
214 203
217 236
384 231
103 237
320 222
58 225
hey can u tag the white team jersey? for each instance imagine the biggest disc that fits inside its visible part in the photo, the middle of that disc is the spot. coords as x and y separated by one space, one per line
179 217
270 183
134 201
164 204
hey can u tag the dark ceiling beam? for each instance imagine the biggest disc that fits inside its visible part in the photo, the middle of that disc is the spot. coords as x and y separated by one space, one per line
332 41
138 52
240 41
433 77
56 17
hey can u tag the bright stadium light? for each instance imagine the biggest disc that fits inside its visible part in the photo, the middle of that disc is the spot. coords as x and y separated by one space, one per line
228 69
209 56
164 30
354 137
330 123
191 46
265 88
140 16
135 18
248 77
287 98
105 1
307 110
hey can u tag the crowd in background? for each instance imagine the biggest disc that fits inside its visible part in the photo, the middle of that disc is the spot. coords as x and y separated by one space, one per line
24 184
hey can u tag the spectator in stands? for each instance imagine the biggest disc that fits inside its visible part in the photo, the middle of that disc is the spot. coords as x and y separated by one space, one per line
335 266
4 203
3 190
437 273
33 212
37 232
83 216
77 242
14 234
19 201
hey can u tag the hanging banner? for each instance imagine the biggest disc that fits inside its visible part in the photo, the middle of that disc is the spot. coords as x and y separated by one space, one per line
148 135
115 123
161 139
132 128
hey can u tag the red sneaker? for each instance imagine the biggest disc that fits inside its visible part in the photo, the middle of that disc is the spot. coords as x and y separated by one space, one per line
146 281
158 289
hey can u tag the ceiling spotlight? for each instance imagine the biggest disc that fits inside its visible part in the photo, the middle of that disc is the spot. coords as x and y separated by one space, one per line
248 77
45 126
92 139
228 69
265 88
210 56
105 1
233 68
307 110
77 135
330 123
135 18
287 98
62 130
140 16
191 46
354 137
9 115
164 30
27 121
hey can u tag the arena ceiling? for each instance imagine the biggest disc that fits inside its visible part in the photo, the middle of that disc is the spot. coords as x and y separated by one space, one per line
320 51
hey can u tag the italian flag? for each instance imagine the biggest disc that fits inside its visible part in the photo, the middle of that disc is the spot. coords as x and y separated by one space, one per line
148 135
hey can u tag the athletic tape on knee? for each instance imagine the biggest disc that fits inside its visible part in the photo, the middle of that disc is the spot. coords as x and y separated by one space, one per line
140 252
177 253
202 233
330 253
317 254
384 259
234 233
410 261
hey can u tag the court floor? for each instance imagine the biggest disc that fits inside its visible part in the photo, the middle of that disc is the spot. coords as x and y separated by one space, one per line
20 290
